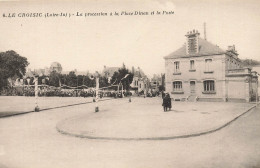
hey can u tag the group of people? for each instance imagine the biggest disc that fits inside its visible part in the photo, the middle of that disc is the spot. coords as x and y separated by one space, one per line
167 103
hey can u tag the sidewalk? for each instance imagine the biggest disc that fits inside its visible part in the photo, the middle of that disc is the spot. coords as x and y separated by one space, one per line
144 119
15 105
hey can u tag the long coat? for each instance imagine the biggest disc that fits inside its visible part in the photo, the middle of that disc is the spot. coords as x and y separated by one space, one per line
167 102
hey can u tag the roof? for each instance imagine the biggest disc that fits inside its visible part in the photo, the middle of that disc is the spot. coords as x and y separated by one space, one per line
40 72
109 71
205 48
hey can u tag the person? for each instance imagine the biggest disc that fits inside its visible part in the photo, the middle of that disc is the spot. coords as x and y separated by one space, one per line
165 104
169 102
163 94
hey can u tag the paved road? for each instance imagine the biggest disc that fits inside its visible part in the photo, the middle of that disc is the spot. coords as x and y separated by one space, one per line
32 141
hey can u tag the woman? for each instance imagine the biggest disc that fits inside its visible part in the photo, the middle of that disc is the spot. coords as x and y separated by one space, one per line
169 102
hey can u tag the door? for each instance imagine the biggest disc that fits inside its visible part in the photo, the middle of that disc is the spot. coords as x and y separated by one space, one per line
192 87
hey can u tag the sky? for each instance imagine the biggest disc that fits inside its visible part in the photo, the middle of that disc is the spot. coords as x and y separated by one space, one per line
89 43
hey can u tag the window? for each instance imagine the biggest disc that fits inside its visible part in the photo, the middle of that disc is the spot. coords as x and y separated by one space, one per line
177 86
209 86
176 67
208 65
192 65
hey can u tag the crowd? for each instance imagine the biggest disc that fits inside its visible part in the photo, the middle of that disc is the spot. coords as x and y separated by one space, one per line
58 92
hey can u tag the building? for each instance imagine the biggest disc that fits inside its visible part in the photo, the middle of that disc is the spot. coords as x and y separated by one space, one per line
156 82
108 72
256 68
200 70
140 81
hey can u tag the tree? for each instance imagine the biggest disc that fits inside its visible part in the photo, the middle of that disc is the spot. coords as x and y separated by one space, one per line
103 81
118 77
55 79
12 65
72 79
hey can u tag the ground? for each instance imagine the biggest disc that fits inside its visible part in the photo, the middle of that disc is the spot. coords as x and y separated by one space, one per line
32 139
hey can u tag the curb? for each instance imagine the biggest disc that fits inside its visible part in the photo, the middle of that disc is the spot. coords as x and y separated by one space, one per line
50 108
157 138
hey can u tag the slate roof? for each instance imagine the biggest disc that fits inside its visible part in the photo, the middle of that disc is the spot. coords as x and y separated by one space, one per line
205 48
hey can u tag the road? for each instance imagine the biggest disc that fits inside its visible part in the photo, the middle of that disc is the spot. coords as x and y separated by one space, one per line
31 140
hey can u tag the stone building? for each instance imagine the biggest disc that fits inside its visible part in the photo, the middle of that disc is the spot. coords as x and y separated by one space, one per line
200 70
108 72
156 82
140 81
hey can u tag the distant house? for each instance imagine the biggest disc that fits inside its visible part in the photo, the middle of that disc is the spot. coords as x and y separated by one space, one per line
140 81
156 82
256 68
108 72
200 70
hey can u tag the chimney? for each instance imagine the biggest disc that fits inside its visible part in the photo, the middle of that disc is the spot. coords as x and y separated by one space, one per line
192 44
205 35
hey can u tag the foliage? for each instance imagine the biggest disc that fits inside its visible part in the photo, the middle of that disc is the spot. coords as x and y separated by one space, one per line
250 62
54 79
74 80
118 77
11 65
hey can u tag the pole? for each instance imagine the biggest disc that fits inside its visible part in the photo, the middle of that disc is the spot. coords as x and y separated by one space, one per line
77 87
118 89
122 90
36 109
129 90
23 88
97 88
256 97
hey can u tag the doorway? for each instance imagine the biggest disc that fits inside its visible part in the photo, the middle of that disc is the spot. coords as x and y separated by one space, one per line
192 87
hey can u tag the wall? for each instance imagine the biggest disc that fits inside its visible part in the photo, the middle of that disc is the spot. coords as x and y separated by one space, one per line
218 69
